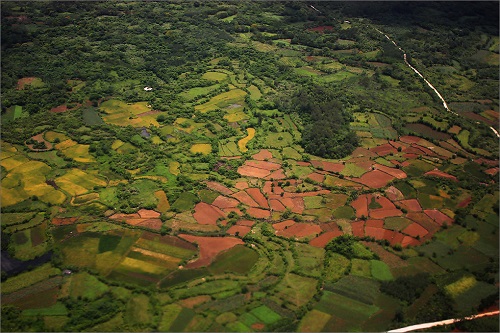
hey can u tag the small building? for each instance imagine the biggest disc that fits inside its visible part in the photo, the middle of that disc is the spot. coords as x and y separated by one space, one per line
148 88
66 272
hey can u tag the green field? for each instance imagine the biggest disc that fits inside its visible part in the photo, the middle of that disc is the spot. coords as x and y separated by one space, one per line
240 260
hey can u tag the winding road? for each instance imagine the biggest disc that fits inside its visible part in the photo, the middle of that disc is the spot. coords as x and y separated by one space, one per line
442 322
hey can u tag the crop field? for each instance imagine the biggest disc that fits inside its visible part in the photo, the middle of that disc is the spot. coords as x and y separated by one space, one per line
77 182
239 259
232 97
123 114
29 278
296 290
242 144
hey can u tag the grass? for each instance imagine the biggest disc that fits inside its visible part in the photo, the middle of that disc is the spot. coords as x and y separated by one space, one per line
265 314
462 285
16 218
336 266
313 321
352 170
136 310
361 268
207 288
123 114
214 76
344 212
235 96
86 286
380 270
186 201
28 278
57 309
239 259
296 290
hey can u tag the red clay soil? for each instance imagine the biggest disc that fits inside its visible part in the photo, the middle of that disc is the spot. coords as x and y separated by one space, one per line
148 214
290 204
358 228
361 206
207 214
394 194
409 241
427 151
409 139
492 171
258 197
64 220
300 230
384 149
302 163
225 202
263 165
383 213
377 233
258 213
276 205
397 238
278 174
177 242
325 238
124 216
194 301
134 221
331 226
464 203
248 171
328 166
438 217
411 205
59 109
441 174
424 220
263 155
399 174
317 177
24 81
374 223
283 225
410 156
154 224
486 161
305 194
415 230
384 202
240 229
299 205
374 179
219 188
209 247
269 189
397 144
415 150
39 138
362 152
245 199
246 223
241 185
258 326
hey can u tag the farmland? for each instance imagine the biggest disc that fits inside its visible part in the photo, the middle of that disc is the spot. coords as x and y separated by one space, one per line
248 166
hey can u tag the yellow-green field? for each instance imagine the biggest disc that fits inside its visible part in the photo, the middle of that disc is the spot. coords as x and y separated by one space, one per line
163 204
204 148
123 114
51 136
242 144
77 182
222 100
76 151
214 76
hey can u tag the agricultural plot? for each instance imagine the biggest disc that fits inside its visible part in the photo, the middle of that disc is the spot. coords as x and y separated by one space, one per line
123 114
232 97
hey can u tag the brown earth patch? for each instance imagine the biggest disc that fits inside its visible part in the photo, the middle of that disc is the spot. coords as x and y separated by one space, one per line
148 214
148 113
249 171
219 188
245 199
377 233
317 177
120 216
283 225
492 171
374 223
384 149
232 209
383 213
305 194
241 185
240 229
409 139
374 179
415 230
361 205
262 155
24 81
300 230
331 226
258 213
209 247
64 220
399 174
486 161
411 205
424 220
302 163
258 326
278 174
325 238
207 214
464 203
194 301
276 205
358 228
258 197
439 217
263 165
154 224
362 152
394 194
40 138
441 174
246 223
225 202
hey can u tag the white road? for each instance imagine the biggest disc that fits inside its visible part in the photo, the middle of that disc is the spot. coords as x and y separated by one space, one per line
442 322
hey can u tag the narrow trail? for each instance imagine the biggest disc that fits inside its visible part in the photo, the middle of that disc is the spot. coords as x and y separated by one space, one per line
442 322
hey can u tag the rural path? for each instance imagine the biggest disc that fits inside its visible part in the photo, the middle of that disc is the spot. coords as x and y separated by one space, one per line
442 322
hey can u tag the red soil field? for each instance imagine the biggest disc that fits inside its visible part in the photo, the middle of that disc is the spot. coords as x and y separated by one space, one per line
300 230
332 226
194 301
246 223
333 167
39 138
269 189
377 233
278 174
219 188
262 155
437 173
154 224
248 171
276 205
241 185
407 241
258 213
362 152
59 109
424 220
374 179
427 151
492 171
207 214
24 81
397 144
464 203
283 225
410 156
384 149
374 223
288 203
486 161
299 205
209 247
415 230
134 221
263 165
399 174
409 139
384 202
258 197
438 217
240 229
302 163
245 199
394 194
225 202
325 238
383 213
397 238
414 151
148 214
305 194
258 326
124 216
176 241
361 205
64 220
358 228
317 177
411 205
229 210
